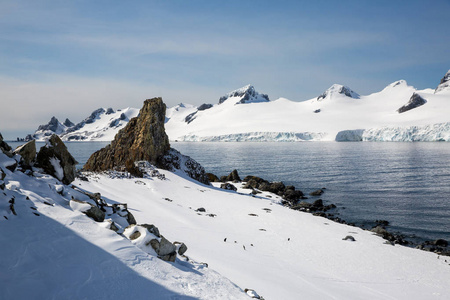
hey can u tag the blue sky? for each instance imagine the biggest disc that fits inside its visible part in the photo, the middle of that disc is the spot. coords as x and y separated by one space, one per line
67 58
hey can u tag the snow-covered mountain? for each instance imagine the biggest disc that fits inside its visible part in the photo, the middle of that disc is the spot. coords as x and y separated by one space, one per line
101 125
397 113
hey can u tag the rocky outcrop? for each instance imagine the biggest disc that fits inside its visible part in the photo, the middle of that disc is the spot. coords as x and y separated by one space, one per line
415 101
338 89
4 147
233 176
142 139
174 161
55 160
289 193
444 84
88 209
148 238
27 152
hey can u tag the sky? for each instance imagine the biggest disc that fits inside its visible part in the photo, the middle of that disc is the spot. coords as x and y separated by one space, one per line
68 58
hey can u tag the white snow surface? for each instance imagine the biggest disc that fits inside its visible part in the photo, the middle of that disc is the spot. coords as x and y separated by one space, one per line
322 119
247 243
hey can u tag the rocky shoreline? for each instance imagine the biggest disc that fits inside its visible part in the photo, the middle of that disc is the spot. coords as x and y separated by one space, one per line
295 199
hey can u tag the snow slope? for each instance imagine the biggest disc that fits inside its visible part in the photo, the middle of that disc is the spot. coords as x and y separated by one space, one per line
279 252
50 251
322 118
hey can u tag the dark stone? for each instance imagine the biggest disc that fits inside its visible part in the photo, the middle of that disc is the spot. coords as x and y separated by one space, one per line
212 177
4 146
27 152
277 187
233 176
228 186
415 101
110 111
94 212
165 249
317 192
440 243
55 149
204 106
182 248
318 203
201 209
152 229
349 238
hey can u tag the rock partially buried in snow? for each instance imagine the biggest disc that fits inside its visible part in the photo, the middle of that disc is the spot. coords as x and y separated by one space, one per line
56 160
147 238
88 209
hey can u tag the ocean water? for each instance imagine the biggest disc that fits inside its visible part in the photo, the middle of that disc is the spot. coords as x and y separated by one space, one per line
407 184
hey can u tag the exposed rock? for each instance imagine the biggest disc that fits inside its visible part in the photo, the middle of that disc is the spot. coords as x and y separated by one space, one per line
316 193
338 89
228 186
247 95
174 160
28 153
68 123
152 229
93 212
233 176
204 106
415 101
4 147
200 209
212 177
135 235
444 84
440 243
142 139
349 238
55 160
181 248
165 249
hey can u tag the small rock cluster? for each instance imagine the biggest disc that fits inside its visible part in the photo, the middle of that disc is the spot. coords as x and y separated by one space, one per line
148 238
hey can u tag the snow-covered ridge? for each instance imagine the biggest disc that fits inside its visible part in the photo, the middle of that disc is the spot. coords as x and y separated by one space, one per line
337 89
101 125
247 115
246 94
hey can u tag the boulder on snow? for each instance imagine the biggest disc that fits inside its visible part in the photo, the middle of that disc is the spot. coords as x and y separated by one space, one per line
88 209
55 160
233 176
165 249
27 152
228 186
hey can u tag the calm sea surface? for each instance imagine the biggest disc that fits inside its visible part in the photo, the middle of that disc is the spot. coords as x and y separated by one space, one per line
407 184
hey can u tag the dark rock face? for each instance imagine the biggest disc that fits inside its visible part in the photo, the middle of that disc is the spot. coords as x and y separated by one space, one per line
233 176
143 138
445 83
415 101
4 146
55 152
52 125
28 153
68 123
316 193
212 177
204 106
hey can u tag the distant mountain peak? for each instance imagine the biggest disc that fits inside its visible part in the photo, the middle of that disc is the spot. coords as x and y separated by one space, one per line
248 94
68 123
338 89
444 84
